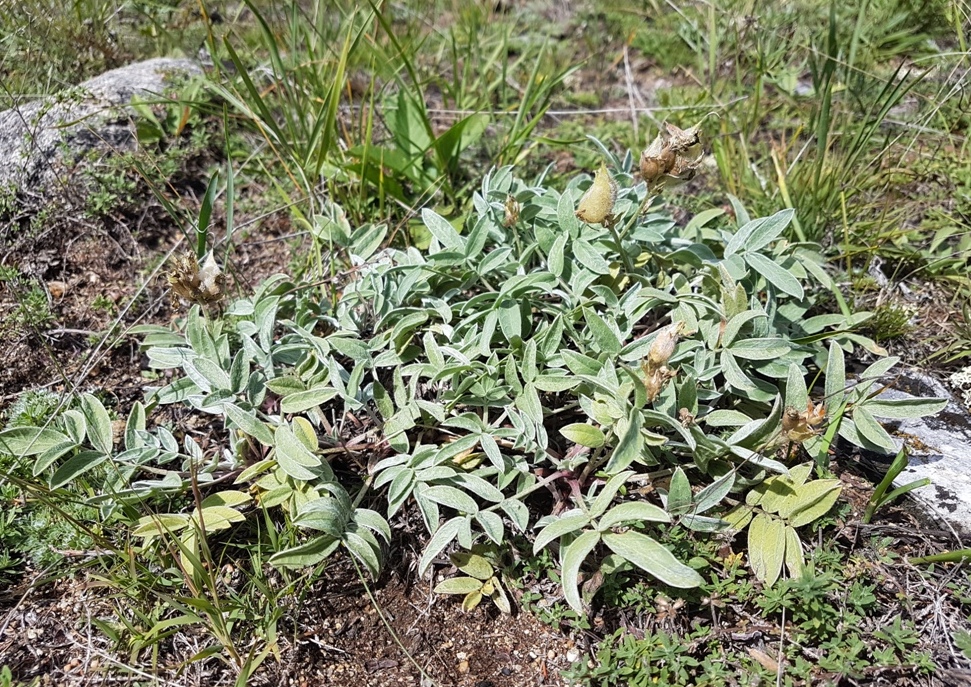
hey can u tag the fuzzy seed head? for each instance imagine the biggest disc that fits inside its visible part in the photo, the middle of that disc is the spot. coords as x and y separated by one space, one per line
663 347
597 203
512 209
203 285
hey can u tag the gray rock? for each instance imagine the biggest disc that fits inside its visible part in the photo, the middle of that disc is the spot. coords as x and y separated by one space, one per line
940 450
40 139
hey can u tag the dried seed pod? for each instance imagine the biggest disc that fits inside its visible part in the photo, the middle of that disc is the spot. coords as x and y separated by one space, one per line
653 167
656 379
801 426
204 285
597 203
682 139
512 212
663 347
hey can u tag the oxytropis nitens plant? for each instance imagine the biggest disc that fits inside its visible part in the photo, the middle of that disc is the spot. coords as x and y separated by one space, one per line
524 351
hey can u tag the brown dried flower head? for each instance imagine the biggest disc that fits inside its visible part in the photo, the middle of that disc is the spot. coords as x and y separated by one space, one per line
801 426
203 285
673 156
655 379
597 203
512 212
664 344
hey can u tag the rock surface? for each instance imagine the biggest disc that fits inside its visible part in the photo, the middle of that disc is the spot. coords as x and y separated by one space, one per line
42 138
940 450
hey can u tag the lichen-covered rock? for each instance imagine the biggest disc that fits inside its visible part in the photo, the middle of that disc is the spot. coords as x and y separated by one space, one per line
939 449
41 139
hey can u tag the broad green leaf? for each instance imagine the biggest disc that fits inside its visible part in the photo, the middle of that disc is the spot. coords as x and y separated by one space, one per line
227 497
309 553
472 564
701 523
679 493
443 537
300 401
794 558
134 425
813 501
458 585
499 598
735 325
556 258
372 520
161 524
605 337
99 423
249 424
835 379
492 525
766 547
565 215
365 548
517 512
775 274
607 493
29 441
50 456
712 495
442 230
759 233
768 230
471 600
305 432
293 457
759 349
451 497
902 408
580 364
590 257
724 417
797 396
653 558
555 383
528 402
733 373
739 517
584 434
564 524
630 446
573 557
74 467
632 511
367 239
871 430
879 368
218 517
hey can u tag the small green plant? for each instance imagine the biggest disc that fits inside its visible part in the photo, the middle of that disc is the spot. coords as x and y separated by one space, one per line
881 496
481 582
773 511
32 309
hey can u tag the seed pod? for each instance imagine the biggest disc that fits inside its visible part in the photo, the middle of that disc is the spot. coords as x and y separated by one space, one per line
203 285
682 139
512 209
598 202
663 347
800 426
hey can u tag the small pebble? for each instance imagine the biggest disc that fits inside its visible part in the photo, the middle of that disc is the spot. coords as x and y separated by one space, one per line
463 667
